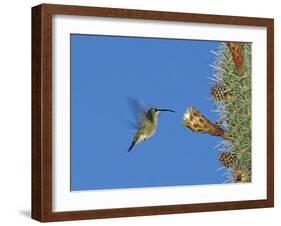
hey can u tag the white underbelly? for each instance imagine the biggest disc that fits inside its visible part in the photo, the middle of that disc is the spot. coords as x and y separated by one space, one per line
144 137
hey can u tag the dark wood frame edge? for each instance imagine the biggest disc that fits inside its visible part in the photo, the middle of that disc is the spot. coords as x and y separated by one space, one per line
42 112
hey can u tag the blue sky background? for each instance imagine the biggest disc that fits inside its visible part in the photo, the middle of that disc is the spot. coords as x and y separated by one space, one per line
164 73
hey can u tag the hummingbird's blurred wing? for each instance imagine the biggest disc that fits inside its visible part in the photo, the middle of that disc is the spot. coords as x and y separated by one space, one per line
138 110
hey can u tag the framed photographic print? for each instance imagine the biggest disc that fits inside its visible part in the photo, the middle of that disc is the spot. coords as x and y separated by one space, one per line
145 112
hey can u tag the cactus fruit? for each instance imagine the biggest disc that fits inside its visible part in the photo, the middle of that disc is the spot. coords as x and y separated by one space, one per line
219 93
227 158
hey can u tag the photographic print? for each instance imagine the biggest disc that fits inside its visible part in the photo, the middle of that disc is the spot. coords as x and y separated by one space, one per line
153 112
138 113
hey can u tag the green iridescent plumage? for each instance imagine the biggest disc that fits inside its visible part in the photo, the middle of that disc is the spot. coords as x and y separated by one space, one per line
147 126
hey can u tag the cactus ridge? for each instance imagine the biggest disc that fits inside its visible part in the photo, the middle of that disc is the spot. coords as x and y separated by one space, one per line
234 112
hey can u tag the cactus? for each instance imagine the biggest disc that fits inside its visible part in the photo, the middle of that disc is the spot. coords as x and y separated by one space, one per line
232 71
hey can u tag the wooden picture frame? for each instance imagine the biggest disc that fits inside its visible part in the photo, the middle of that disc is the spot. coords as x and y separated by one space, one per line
42 112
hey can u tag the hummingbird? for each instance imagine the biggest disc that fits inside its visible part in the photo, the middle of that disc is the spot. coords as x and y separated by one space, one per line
148 121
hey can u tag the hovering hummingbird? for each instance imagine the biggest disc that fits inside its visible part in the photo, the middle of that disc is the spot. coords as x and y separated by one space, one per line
148 121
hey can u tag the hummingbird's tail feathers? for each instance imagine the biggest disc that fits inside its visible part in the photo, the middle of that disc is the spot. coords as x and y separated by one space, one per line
131 146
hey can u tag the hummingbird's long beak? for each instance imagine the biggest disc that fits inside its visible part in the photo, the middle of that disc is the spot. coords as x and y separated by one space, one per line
166 110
